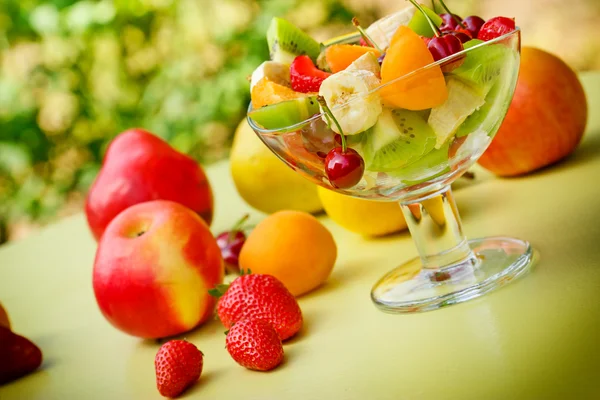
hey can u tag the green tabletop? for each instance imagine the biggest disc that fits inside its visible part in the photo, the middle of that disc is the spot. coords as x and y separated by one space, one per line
537 338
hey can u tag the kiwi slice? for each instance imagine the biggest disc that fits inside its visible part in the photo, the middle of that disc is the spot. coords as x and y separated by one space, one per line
286 41
399 138
491 114
431 165
419 24
482 66
283 115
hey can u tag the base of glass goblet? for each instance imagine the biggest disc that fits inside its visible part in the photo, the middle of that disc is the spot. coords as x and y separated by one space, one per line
411 288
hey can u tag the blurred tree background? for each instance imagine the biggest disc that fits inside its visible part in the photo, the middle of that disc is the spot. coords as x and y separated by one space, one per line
73 74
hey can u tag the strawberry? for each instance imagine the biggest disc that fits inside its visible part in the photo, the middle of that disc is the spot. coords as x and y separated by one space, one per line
259 296
178 365
304 76
254 344
495 27
18 356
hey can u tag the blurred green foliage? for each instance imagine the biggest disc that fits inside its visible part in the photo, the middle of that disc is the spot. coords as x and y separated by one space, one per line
74 74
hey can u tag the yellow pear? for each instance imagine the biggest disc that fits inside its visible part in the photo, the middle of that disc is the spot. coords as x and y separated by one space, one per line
367 217
264 181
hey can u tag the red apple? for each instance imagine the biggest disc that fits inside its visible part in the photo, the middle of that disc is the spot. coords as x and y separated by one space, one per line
546 118
138 167
153 268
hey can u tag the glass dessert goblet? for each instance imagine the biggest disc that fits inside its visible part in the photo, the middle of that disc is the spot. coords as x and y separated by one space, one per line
411 155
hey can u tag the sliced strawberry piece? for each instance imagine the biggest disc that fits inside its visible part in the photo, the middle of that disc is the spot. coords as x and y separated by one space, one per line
304 76
495 27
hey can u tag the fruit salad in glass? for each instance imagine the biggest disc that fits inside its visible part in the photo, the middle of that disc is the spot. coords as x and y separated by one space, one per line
397 112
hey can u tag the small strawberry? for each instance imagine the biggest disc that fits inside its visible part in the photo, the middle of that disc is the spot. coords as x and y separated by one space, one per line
18 356
259 296
178 365
254 344
304 76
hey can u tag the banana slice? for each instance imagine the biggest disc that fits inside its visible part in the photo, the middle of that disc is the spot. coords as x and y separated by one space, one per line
273 71
346 94
382 30
366 62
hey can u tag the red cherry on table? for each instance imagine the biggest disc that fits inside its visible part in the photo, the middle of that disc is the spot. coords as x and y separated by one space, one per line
344 168
448 22
444 46
231 244
495 27
473 23
304 76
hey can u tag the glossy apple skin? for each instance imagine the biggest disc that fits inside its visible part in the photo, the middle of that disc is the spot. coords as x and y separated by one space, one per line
139 166
546 118
153 268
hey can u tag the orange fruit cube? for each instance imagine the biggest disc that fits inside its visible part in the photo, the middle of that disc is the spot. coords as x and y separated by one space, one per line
340 56
267 92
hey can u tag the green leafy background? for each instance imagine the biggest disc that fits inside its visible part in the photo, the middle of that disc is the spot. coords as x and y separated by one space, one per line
73 74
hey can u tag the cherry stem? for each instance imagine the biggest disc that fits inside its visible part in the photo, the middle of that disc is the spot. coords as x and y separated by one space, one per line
238 226
454 17
329 115
365 35
435 29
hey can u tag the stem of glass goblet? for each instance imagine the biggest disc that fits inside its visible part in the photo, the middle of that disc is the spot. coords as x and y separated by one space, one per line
436 229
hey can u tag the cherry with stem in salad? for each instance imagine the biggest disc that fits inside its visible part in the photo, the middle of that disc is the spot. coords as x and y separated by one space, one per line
344 167
473 24
442 45
230 243
457 20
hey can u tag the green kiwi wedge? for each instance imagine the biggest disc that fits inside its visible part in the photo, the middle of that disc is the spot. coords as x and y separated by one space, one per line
482 66
285 114
287 41
419 24
399 138
431 165
490 115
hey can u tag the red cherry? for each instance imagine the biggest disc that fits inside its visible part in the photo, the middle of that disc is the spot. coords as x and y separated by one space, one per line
444 46
496 27
344 169
464 35
231 244
473 23
449 23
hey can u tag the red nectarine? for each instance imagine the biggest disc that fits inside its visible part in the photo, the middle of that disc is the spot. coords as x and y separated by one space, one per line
546 118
